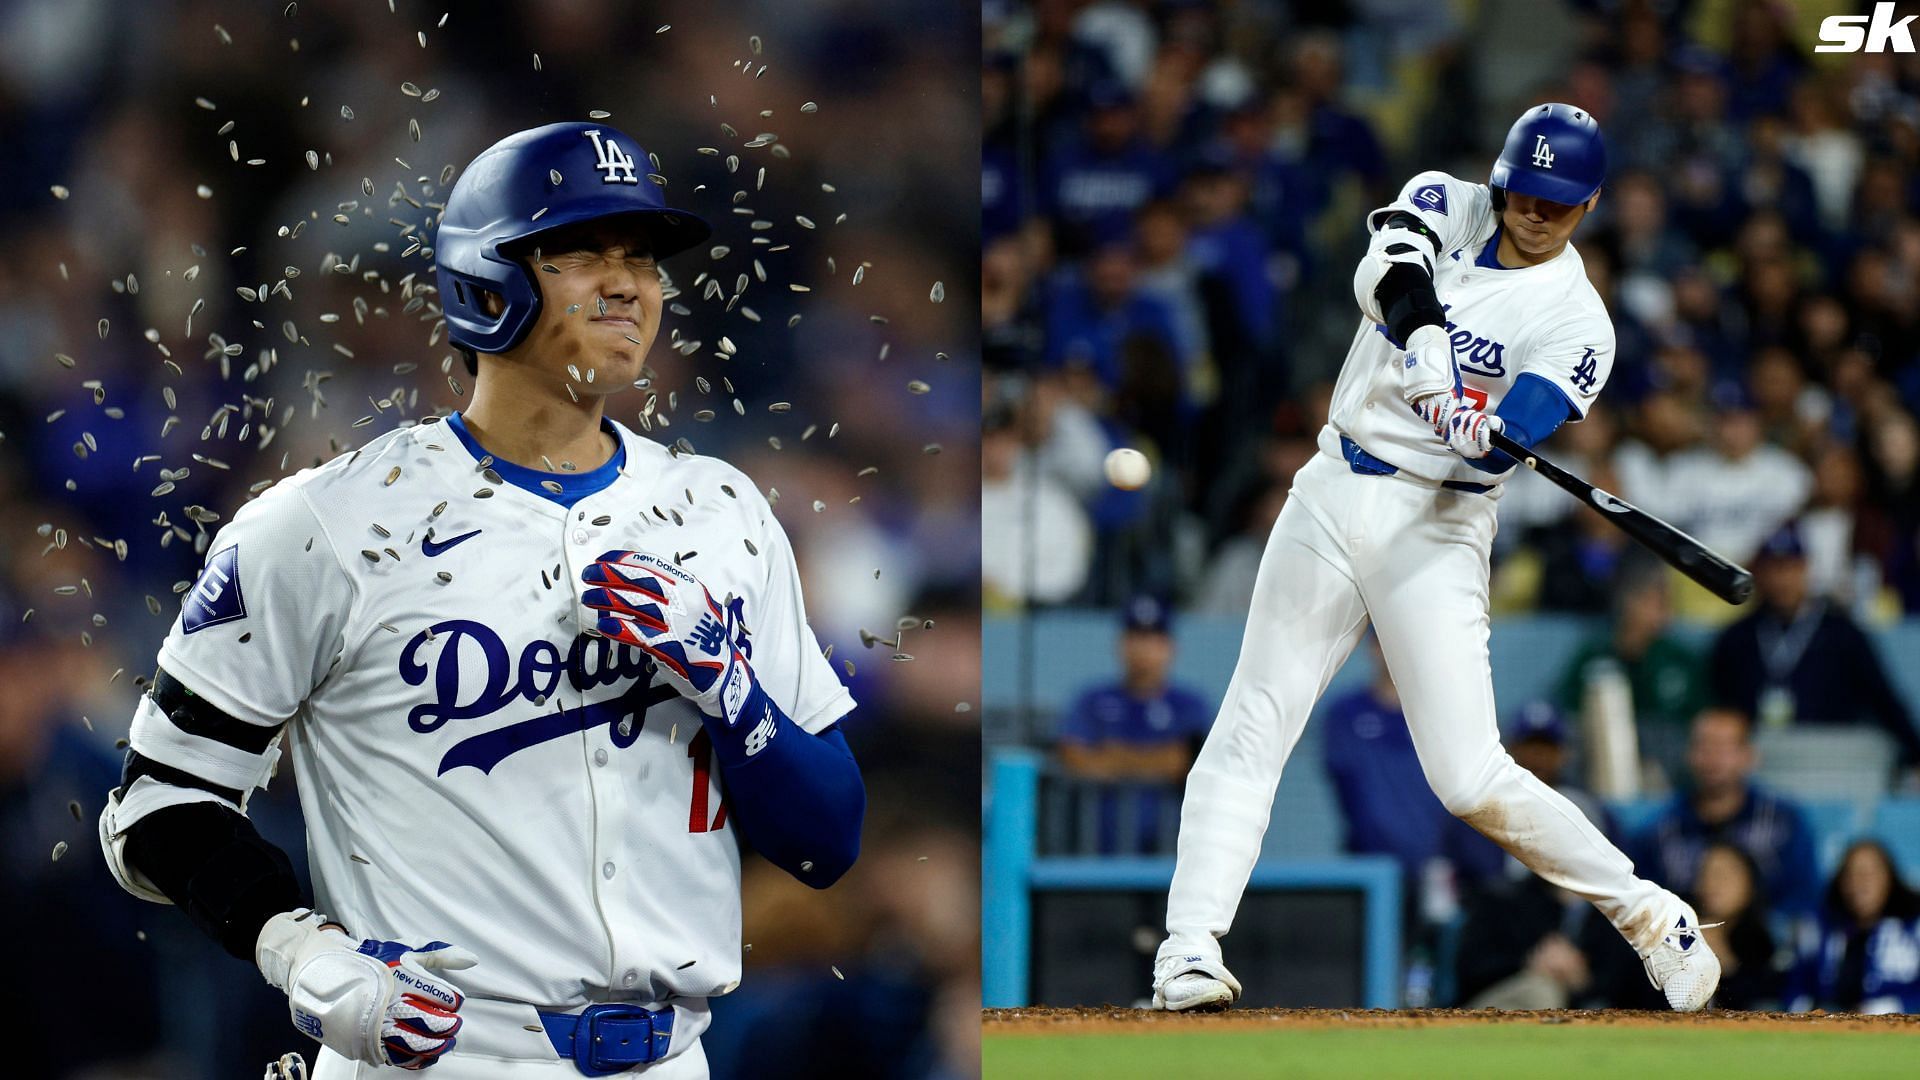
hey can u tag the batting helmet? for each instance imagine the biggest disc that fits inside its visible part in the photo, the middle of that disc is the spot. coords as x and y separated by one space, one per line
528 184
1553 152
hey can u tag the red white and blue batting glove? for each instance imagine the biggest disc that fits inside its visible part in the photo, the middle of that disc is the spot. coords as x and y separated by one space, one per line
648 602
371 1001
1470 432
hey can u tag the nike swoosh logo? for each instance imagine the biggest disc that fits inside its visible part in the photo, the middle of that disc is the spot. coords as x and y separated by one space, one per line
428 545
1609 503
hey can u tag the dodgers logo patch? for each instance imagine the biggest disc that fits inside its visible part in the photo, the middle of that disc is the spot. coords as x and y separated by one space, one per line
215 598
1432 197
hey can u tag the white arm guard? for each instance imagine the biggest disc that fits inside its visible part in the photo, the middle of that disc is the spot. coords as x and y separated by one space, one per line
113 844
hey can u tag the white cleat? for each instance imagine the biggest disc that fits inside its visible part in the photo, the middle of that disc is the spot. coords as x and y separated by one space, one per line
1683 966
1193 984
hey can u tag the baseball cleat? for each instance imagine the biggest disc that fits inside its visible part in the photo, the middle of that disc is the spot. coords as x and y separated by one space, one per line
1194 984
1682 965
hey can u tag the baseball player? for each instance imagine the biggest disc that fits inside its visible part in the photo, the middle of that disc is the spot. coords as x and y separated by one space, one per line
1479 318
538 675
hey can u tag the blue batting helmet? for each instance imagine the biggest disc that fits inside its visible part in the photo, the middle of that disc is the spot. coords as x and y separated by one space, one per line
1553 152
530 183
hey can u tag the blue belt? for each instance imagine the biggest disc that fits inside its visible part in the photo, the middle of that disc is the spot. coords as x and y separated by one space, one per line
610 1038
1368 465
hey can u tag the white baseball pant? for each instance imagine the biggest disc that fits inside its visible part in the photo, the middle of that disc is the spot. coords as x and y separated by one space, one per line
1414 558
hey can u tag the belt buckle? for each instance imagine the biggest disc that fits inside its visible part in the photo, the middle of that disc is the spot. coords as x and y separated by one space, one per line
588 1040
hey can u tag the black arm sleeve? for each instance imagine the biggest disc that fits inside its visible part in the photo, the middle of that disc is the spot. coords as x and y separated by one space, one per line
1405 292
211 862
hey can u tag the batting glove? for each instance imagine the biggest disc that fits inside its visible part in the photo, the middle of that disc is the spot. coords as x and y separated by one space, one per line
648 602
1470 432
287 1067
371 1001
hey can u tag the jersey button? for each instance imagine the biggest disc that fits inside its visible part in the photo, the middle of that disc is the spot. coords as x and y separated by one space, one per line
579 536
629 978
599 757
606 871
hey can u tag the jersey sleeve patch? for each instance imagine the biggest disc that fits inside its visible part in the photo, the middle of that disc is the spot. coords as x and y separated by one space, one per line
215 597
1585 372
1432 197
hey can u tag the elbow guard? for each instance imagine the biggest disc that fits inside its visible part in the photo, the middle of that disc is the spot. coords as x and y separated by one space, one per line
1394 283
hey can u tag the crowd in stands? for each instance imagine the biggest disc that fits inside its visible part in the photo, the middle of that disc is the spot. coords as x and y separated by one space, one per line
134 233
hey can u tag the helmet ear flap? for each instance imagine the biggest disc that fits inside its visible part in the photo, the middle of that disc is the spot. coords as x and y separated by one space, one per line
1499 200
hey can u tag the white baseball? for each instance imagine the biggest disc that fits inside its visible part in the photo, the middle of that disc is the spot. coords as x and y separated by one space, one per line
1127 469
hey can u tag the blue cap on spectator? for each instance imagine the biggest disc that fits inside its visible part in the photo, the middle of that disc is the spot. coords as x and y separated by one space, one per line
1109 94
1730 395
1785 543
1538 720
1148 614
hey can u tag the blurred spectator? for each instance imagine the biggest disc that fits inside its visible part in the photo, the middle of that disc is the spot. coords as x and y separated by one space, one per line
1727 892
1235 566
1095 182
1830 530
1799 659
1863 953
1388 807
1039 547
1731 495
1581 555
1666 677
1720 803
1537 741
1142 729
1092 316
1526 944
52 774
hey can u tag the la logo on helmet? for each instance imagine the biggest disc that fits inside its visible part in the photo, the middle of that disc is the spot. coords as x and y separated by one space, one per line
1542 152
613 161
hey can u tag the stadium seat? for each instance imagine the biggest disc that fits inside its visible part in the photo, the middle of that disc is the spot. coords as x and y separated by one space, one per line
1897 824
1826 761
1835 822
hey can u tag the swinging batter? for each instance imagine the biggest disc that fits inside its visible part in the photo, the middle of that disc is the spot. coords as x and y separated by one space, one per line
1479 318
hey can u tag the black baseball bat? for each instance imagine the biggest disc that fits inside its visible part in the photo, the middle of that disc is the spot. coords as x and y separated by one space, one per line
1729 582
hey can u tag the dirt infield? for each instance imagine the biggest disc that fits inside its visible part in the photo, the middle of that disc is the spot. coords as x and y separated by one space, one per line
1112 1020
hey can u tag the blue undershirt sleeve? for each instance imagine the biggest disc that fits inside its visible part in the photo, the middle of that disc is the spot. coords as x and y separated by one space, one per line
1531 411
797 798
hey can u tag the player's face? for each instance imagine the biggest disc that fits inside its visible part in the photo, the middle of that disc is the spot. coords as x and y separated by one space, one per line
599 312
1540 229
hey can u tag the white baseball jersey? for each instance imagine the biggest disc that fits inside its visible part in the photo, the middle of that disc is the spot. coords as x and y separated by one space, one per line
472 768
1545 320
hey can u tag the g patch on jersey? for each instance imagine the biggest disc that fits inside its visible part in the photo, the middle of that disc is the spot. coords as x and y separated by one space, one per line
1432 197
215 597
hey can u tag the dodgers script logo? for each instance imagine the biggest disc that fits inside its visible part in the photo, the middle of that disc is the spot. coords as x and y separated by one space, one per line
1475 354
590 663
615 164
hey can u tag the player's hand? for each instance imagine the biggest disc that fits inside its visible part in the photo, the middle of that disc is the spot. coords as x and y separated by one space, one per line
371 1001
1428 368
1436 411
1470 432
648 602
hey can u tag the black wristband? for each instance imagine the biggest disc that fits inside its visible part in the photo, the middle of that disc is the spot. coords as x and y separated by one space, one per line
1405 295
215 866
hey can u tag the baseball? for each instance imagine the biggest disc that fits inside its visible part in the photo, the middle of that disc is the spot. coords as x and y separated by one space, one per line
1127 469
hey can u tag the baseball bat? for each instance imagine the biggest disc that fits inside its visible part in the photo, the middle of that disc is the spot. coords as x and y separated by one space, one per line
1729 582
